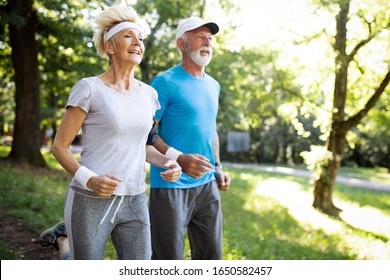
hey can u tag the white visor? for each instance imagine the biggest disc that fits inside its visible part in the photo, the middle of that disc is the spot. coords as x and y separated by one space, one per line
119 27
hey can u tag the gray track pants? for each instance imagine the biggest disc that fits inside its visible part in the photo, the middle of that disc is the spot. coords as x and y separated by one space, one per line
129 228
173 211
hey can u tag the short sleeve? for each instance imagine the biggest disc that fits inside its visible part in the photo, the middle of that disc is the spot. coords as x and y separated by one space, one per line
80 96
160 85
156 104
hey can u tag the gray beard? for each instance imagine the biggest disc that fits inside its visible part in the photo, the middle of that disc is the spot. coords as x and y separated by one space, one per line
198 59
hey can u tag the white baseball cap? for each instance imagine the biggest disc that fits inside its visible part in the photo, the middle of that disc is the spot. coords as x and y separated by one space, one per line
193 23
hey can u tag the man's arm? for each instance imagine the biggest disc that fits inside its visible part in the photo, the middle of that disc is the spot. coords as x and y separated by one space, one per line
194 165
223 180
161 146
217 158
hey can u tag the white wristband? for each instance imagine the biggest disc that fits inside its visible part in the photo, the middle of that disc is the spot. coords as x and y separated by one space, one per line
173 154
83 174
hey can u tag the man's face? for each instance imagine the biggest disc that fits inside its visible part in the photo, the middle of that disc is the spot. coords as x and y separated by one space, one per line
198 45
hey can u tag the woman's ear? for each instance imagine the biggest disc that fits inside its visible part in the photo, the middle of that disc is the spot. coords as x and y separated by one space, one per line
109 47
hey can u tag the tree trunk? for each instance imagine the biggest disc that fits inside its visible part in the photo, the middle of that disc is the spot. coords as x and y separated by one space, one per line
27 139
323 185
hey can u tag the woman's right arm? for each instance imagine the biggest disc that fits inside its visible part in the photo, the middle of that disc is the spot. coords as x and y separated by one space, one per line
103 185
67 131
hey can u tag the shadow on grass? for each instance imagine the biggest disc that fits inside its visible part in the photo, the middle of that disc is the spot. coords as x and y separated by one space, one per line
364 197
261 228
381 237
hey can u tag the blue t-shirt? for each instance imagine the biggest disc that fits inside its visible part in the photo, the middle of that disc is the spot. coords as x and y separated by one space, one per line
187 120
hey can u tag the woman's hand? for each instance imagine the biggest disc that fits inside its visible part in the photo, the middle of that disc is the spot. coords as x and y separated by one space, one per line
173 173
104 185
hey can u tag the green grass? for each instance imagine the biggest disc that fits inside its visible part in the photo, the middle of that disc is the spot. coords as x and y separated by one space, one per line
5 254
269 216
376 174
266 215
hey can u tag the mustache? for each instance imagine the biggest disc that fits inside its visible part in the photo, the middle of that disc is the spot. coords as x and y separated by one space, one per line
205 48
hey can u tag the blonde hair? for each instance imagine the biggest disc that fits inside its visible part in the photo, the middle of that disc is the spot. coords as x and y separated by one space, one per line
106 20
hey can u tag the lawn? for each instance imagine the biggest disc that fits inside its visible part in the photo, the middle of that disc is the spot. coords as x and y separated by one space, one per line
266 215
269 216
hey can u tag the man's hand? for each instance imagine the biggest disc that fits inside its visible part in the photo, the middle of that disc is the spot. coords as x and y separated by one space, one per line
194 165
103 185
173 173
223 180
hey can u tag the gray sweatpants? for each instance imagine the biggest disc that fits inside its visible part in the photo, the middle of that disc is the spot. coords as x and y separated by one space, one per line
89 227
174 211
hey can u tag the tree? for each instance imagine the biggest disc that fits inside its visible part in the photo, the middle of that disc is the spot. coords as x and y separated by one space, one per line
341 123
46 62
65 59
22 27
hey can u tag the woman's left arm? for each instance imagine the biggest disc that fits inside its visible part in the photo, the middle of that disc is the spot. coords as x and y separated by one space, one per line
156 158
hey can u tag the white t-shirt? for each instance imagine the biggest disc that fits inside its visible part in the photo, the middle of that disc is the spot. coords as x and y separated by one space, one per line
115 131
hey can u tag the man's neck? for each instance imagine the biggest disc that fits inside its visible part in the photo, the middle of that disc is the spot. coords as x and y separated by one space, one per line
193 69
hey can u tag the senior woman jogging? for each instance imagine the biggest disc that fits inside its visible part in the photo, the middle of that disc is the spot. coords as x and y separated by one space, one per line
115 112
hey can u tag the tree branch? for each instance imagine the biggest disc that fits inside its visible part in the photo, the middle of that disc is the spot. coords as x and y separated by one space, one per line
360 45
354 120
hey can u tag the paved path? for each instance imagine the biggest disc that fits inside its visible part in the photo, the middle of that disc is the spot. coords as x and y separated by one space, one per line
361 183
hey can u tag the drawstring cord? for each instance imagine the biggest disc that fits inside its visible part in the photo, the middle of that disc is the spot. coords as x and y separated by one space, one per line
108 210
117 209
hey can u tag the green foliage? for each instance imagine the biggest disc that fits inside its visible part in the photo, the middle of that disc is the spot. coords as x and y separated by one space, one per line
254 96
367 40
162 17
368 145
317 159
285 106
67 53
7 87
